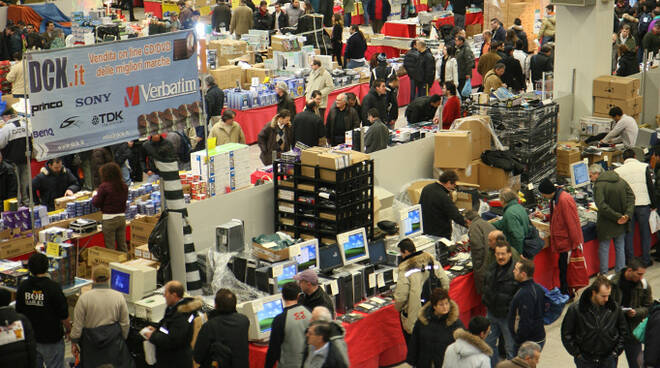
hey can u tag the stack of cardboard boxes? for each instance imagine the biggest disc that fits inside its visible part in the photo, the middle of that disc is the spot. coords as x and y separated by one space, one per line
610 91
225 170
566 156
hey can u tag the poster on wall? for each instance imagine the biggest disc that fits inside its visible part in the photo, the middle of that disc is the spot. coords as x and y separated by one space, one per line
94 96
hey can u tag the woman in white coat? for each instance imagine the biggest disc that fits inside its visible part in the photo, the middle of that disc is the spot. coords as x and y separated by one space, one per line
446 68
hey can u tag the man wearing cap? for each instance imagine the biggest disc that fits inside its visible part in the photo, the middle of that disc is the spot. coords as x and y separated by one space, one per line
101 312
312 294
565 228
284 100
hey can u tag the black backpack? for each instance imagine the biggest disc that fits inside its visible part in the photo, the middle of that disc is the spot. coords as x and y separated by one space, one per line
185 148
431 283
159 246
503 160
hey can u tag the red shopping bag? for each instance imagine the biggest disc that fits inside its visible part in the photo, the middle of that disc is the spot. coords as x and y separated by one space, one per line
576 274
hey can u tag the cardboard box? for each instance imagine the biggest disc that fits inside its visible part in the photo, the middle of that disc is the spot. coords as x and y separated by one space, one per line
610 157
270 255
284 43
610 86
453 149
463 200
481 137
16 247
629 106
492 178
260 73
227 76
142 251
141 228
100 255
469 175
415 190
565 157
228 49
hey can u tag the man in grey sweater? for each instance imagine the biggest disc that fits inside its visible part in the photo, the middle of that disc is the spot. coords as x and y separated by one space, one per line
378 136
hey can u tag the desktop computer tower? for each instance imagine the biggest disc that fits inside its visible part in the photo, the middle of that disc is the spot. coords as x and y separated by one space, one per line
264 279
359 288
369 285
244 268
345 297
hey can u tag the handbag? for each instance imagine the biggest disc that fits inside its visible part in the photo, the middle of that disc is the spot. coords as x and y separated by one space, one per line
640 331
532 244
576 272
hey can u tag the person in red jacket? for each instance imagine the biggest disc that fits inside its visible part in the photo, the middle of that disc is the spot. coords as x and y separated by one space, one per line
565 228
452 109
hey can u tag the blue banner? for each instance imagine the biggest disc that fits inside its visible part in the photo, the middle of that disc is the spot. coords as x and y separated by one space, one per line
94 96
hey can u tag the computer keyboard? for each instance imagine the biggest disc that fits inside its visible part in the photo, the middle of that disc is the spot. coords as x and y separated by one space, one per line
422 240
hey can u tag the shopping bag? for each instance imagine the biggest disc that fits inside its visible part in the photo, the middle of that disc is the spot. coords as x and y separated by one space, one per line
467 89
640 331
576 272
553 304
654 221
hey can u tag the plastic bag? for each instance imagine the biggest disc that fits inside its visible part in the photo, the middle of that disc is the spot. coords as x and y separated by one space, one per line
640 331
654 221
554 302
467 89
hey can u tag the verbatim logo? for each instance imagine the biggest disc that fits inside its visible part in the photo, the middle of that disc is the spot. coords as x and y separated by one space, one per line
132 97
162 91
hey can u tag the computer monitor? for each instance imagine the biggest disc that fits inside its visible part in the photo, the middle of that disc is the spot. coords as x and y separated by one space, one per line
411 222
134 281
261 313
308 256
377 252
353 246
289 269
329 258
579 174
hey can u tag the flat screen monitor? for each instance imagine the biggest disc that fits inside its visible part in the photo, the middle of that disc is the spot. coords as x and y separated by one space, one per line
308 256
579 174
261 313
329 258
411 222
134 281
377 252
289 269
353 246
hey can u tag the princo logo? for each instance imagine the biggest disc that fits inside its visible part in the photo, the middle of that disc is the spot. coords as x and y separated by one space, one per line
46 106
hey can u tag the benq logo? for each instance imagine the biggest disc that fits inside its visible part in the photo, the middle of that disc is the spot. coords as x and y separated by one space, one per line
43 133
69 121
132 97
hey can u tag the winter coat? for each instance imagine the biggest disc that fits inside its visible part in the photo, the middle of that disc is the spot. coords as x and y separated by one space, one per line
12 141
351 121
286 102
513 74
282 20
221 17
538 64
492 81
520 33
614 198
591 331
515 224
499 34
377 137
432 335
469 351
356 46
229 329
122 153
526 313
487 62
565 227
8 181
386 9
267 141
411 62
652 337
215 101
499 288
218 131
20 354
100 157
451 70
478 235
438 211
381 71
420 109
334 359
173 334
51 186
641 298
241 21
15 77
337 338
264 21
392 104
465 60
318 298
628 65
321 80
427 67
308 128
104 345
548 27
374 100
513 363
651 42
413 272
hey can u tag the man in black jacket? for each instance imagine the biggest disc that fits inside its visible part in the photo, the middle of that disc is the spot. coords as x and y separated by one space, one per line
411 64
513 75
280 18
263 20
308 127
221 16
225 330
284 100
465 61
427 69
458 7
594 329
526 311
215 99
341 118
423 109
312 294
541 62
499 288
13 146
22 351
52 182
8 182
392 101
438 210
41 300
376 98
173 333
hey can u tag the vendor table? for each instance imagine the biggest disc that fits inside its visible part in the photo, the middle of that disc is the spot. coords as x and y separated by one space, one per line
398 28
69 290
470 18
444 21
253 120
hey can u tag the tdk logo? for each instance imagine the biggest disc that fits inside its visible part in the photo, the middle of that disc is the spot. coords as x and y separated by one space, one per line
43 133
108 118
46 106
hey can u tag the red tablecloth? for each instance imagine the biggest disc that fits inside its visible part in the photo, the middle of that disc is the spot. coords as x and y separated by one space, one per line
154 7
444 21
396 29
253 120
462 291
474 18
421 7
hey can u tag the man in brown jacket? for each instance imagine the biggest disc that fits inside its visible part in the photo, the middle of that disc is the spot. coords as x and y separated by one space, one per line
276 137
529 355
241 20
488 60
226 129
493 79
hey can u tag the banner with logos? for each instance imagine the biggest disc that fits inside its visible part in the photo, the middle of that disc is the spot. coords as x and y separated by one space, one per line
94 96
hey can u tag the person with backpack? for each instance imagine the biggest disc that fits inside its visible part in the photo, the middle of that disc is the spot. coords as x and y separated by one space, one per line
500 286
413 271
226 129
527 307
223 339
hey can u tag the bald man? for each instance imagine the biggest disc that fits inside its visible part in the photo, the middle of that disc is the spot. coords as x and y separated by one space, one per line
173 333
337 331
495 237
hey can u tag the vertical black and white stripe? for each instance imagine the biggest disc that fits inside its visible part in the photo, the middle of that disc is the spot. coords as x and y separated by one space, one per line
173 200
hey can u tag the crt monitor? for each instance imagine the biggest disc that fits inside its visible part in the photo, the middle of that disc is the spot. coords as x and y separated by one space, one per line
308 256
377 252
579 174
288 270
261 313
353 246
329 258
411 222
134 281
